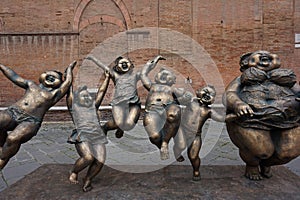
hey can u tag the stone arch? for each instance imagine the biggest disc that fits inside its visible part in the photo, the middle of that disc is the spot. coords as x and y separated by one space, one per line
84 3
102 19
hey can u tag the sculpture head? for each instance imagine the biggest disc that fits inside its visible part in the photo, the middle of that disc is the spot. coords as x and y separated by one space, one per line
51 79
206 94
123 65
262 60
83 97
165 77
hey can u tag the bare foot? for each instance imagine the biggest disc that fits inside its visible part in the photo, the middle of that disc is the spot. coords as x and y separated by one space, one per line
252 173
87 185
119 133
73 178
180 158
265 171
196 176
164 151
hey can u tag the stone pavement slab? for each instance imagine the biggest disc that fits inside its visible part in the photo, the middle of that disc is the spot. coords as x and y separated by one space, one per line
50 181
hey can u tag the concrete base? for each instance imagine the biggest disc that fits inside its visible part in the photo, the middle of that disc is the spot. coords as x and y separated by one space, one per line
172 182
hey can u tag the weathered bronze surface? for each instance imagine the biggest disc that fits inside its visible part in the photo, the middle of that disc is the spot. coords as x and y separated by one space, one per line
22 120
194 115
126 104
162 111
88 137
263 114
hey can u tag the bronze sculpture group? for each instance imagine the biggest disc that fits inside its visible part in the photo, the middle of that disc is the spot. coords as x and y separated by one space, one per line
262 113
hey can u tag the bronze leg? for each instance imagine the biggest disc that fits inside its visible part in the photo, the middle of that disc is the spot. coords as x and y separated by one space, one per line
99 152
126 115
86 158
21 134
286 148
254 145
153 123
193 154
170 129
179 145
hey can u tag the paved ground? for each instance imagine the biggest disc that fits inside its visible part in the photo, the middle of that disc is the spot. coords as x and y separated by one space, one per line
172 182
50 147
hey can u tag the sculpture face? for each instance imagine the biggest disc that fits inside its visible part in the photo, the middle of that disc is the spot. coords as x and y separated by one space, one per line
264 60
84 98
123 65
51 79
206 94
165 77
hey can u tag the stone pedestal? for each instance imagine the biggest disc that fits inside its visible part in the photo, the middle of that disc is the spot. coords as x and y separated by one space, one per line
172 182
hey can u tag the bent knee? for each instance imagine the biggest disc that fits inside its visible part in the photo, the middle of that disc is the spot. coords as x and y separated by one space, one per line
173 114
287 155
180 146
262 151
88 158
155 136
12 140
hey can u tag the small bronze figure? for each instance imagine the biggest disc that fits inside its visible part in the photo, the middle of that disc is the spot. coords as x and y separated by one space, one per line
266 114
194 115
126 104
23 119
162 111
88 137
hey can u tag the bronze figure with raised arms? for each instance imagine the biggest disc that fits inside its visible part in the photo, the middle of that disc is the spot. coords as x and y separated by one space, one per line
22 120
126 104
88 136
162 111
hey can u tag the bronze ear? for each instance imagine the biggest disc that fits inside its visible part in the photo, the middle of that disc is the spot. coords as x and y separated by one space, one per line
42 77
244 61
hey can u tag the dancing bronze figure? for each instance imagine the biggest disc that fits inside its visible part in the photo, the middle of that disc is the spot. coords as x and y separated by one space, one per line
263 114
22 120
195 113
88 137
126 104
162 111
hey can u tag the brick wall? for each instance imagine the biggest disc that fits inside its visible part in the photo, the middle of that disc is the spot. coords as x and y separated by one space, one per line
37 35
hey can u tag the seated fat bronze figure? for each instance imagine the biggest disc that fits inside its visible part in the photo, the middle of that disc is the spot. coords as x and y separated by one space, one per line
22 120
263 114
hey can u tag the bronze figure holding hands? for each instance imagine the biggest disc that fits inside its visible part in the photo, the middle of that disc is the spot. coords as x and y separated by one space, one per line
196 112
263 103
23 119
162 111
126 104
88 137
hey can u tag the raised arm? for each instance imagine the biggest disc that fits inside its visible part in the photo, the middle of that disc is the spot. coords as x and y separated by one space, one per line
102 90
70 98
65 86
14 77
146 69
98 63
